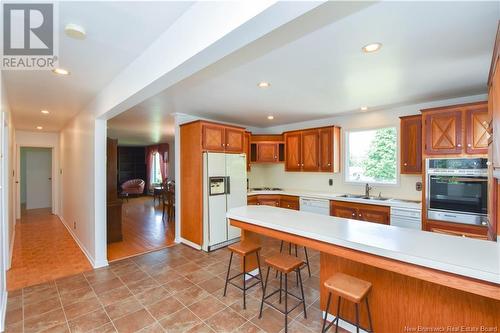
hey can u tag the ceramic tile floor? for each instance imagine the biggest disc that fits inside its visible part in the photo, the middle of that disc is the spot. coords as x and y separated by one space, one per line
177 289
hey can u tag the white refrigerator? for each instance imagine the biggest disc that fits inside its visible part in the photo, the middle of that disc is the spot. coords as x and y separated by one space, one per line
225 187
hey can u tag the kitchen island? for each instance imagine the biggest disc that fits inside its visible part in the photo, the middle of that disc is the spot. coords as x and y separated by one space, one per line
420 279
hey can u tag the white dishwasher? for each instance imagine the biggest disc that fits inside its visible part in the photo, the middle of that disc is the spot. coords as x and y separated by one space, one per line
406 217
318 206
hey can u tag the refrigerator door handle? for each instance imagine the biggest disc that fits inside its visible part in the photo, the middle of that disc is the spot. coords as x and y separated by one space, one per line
228 185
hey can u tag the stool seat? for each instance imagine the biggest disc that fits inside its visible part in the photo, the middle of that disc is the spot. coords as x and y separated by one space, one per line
244 248
284 263
348 287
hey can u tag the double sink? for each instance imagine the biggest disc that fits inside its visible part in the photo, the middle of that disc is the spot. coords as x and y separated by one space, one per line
361 196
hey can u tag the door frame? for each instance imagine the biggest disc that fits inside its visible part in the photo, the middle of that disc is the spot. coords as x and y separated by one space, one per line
54 173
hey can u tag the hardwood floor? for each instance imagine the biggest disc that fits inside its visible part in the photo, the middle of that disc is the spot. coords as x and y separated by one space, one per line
43 251
143 229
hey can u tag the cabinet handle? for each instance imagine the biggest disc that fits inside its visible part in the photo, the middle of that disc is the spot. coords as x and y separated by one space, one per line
469 145
329 164
275 157
353 214
298 164
359 215
406 164
459 145
258 203
222 145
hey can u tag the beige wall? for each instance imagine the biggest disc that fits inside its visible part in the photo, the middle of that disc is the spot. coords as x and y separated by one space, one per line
275 175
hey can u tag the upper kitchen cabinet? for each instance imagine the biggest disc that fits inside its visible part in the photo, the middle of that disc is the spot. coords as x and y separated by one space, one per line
494 103
411 145
216 137
316 150
456 130
267 149
293 151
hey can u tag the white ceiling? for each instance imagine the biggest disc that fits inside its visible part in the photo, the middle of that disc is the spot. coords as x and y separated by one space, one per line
431 50
117 32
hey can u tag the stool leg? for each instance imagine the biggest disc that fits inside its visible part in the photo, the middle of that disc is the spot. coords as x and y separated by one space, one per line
302 292
357 317
326 311
281 250
244 282
227 276
338 315
296 253
369 315
307 261
286 303
281 284
264 292
290 248
260 270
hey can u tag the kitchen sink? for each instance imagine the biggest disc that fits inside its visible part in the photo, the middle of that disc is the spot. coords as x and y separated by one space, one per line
360 196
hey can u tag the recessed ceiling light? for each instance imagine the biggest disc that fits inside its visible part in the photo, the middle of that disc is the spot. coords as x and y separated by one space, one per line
270 117
75 31
39 127
60 71
264 84
372 47
45 112
364 108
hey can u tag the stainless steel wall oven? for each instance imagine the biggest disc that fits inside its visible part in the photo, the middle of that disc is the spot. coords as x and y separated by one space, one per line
457 190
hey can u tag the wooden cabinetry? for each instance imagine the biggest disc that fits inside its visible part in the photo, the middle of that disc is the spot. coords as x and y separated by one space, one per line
275 200
315 150
267 152
267 149
222 138
362 212
246 145
195 138
454 229
456 130
411 144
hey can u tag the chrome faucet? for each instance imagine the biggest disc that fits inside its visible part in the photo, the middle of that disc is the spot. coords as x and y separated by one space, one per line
368 188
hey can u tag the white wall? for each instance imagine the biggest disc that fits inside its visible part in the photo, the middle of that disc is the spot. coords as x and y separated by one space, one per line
40 140
275 176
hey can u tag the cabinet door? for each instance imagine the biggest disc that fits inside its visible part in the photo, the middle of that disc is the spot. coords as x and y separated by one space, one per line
310 150
289 202
460 230
326 149
443 132
246 144
267 152
374 214
234 139
293 159
343 209
252 200
213 137
476 126
411 145
494 106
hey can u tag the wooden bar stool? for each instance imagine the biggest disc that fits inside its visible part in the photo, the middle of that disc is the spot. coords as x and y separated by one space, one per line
349 288
244 249
296 254
284 264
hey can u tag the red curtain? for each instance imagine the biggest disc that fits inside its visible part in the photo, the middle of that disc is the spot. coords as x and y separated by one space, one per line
163 151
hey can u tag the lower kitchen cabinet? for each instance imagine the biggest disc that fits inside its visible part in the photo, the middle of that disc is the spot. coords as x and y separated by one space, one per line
455 229
276 200
361 212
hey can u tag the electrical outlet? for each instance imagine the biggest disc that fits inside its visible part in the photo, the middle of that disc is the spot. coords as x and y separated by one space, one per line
330 182
74 225
418 186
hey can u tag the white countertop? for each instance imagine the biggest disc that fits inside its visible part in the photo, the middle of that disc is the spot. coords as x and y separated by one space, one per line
337 196
463 256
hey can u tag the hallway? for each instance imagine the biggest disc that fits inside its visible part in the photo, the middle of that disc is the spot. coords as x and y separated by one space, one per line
43 251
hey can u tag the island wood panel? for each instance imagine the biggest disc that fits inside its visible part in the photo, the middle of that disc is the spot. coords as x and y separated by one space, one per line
485 289
192 183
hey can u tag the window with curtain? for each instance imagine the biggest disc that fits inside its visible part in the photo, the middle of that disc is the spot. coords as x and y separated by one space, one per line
155 170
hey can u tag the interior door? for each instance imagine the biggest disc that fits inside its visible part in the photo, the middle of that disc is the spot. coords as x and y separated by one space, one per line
310 150
216 231
38 178
293 159
236 173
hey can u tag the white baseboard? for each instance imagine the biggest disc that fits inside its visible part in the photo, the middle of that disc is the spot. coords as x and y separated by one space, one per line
345 325
94 264
3 309
190 244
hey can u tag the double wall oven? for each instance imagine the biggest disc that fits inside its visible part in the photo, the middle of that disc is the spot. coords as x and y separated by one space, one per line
457 190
